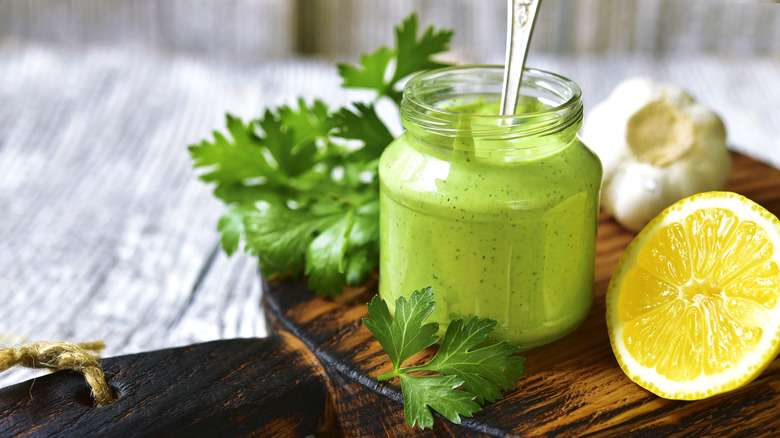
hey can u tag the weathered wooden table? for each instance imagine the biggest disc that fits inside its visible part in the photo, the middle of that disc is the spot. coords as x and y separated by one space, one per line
105 231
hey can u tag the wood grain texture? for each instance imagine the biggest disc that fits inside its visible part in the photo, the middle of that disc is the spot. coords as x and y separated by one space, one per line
243 387
572 387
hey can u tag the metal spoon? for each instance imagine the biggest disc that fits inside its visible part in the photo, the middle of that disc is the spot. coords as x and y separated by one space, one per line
520 24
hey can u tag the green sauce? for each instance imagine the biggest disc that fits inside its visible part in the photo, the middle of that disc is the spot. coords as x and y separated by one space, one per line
503 235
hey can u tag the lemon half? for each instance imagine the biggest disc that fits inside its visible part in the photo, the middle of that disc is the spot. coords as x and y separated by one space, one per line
692 305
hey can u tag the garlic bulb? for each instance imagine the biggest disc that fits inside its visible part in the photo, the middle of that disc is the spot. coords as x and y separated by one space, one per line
657 146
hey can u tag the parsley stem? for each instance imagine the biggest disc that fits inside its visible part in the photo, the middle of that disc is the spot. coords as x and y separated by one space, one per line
388 376
403 370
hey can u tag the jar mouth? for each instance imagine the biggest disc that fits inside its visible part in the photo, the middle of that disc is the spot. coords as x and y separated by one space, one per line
431 101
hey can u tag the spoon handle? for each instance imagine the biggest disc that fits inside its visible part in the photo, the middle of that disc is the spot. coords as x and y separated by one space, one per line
521 16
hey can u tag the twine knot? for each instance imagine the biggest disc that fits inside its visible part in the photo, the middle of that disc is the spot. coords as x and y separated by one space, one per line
81 357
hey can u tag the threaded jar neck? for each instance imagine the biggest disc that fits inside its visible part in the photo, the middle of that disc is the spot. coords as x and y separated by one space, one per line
446 107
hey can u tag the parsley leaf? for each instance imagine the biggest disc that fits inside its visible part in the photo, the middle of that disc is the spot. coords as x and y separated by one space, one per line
415 55
366 126
404 335
439 392
483 370
371 73
480 372
326 255
280 237
411 55
302 181
231 225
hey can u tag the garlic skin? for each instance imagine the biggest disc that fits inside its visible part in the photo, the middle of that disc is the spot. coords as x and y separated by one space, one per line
657 145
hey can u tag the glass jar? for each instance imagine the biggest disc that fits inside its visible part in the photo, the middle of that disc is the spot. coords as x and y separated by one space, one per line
497 213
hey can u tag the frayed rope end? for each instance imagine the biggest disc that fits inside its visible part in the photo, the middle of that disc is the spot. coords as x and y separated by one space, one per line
81 357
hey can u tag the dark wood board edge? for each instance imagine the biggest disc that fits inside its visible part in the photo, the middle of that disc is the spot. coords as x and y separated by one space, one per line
240 387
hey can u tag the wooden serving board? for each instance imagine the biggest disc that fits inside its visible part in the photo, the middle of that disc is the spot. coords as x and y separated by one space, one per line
316 374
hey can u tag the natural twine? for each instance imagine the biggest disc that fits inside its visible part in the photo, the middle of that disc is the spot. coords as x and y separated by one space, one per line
81 357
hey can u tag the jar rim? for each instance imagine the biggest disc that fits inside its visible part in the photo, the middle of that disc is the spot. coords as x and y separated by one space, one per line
552 82
427 97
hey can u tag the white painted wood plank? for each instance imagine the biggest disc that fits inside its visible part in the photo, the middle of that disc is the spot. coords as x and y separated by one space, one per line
105 230
256 30
250 30
346 28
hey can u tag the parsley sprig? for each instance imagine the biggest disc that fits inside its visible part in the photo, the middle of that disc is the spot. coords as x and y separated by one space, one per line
411 55
480 371
302 181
